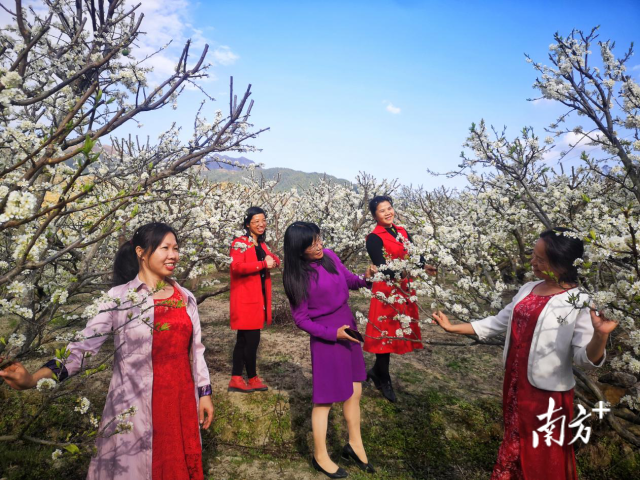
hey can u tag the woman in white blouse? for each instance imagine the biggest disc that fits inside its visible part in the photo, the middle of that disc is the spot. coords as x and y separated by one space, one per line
548 326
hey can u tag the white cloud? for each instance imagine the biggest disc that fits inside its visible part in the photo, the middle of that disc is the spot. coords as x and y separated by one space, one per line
575 142
168 21
542 102
224 56
391 108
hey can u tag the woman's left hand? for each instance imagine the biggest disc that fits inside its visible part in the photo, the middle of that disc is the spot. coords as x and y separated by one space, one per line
431 270
602 324
205 412
371 271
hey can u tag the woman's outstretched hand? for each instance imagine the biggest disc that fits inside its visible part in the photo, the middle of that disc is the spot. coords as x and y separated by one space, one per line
602 324
342 335
442 320
17 377
459 328
205 412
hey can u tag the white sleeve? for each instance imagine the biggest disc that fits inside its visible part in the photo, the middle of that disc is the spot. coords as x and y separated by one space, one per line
582 335
496 324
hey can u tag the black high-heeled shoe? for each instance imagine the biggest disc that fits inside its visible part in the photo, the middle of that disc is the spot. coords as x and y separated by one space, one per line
347 452
340 473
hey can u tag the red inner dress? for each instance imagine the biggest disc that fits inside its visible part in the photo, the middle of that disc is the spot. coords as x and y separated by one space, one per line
177 453
522 402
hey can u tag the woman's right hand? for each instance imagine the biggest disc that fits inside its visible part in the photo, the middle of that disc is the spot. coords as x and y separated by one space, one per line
442 320
17 377
271 263
342 335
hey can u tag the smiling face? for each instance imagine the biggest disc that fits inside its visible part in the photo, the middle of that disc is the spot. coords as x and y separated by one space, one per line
385 214
257 225
540 262
314 252
161 262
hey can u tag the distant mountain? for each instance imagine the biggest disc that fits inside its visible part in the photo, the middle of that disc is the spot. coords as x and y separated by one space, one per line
288 178
212 164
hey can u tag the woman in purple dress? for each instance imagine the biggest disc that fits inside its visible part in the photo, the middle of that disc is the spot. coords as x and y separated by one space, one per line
317 285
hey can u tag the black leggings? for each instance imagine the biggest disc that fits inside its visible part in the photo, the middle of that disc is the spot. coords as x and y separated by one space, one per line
245 352
381 367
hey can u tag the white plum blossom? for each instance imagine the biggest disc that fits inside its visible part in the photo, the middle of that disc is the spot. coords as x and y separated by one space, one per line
16 340
60 296
133 296
93 420
69 337
45 384
124 426
83 405
19 205
129 412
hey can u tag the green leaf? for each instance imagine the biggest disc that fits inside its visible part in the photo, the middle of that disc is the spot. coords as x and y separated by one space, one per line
585 198
592 234
98 96
88 145
73 449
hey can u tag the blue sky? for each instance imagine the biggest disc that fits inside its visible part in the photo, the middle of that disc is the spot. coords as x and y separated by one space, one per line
388 87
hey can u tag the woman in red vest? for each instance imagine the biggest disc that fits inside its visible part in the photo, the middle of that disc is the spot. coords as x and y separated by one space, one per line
250 294
383 245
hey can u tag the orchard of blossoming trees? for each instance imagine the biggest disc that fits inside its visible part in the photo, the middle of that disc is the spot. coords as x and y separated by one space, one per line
71 189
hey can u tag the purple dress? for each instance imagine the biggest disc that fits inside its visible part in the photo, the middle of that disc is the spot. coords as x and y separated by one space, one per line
335 364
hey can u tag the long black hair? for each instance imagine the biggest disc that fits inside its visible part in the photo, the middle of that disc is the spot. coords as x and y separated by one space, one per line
562 251
249 214
377 200
297 270
148 237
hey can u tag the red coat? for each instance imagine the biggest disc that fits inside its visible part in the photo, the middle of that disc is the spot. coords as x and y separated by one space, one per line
248 307
381 315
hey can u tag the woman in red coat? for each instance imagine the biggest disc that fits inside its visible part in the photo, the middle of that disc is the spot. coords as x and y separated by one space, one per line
383 245
250 294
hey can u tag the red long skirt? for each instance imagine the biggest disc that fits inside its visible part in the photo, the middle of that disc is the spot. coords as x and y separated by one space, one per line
176 451
522 403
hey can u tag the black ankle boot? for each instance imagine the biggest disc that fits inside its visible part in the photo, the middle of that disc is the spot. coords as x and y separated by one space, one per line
340 473
387 392
371 375
347 452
